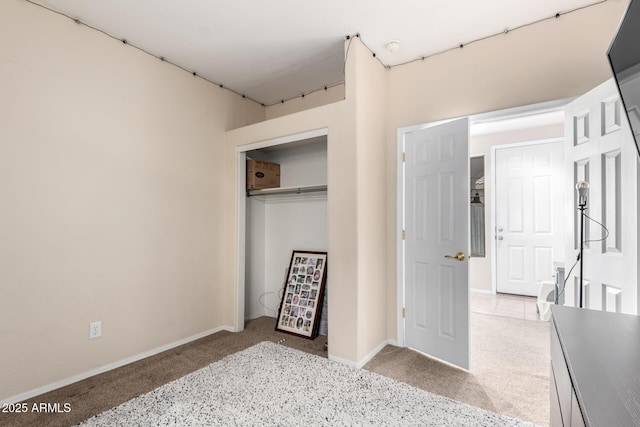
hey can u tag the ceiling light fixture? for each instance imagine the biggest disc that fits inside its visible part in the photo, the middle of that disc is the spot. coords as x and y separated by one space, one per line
392 45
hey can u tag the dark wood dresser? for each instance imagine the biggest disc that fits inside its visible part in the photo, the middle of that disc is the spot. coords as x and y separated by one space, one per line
595 368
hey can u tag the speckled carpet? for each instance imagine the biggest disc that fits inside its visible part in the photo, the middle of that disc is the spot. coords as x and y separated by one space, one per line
270 384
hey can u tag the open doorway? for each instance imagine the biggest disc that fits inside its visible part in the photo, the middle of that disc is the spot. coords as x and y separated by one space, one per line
529 226
526 140
540 124
531 123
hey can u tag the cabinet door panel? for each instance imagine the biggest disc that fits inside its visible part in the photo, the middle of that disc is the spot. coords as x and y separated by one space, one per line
576 415
556 416
563 382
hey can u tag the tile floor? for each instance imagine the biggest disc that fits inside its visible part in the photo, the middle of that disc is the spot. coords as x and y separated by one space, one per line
506 305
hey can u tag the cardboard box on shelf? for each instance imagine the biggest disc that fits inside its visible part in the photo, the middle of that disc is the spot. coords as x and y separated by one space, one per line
262 174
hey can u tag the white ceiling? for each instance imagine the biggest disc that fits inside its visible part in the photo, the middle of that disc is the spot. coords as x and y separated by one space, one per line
518 122
279 49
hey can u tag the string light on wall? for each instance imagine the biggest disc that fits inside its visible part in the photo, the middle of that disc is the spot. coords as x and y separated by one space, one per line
127 43
504 32
391 46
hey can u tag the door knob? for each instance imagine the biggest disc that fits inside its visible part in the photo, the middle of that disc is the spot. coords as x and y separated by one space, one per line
499 229
459 256
500 237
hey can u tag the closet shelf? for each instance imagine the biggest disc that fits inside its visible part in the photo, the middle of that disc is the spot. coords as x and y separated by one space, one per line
287 190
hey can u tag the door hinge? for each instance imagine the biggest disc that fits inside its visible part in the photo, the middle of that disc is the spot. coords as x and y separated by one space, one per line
403 157
403 312
404 234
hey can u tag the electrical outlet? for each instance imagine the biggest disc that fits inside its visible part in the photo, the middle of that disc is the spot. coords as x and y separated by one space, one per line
95 330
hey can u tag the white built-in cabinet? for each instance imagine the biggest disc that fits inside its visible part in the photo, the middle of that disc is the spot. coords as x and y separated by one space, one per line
278 221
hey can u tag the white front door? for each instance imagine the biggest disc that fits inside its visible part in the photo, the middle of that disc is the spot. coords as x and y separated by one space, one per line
437 228
601 151
529 218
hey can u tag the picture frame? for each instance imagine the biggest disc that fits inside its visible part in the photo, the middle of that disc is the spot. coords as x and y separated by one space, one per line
301 304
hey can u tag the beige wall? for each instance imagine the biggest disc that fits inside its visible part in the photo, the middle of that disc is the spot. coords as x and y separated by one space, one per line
312 100
370 102
554 59
111 195
480 268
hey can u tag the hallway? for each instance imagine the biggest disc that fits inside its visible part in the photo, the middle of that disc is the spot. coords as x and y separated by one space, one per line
505 305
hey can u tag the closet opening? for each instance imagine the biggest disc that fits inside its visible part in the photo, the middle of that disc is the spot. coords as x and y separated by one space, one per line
274 222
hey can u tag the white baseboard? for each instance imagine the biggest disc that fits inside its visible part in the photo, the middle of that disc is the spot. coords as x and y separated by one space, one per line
79 377
372 354
347 362
362 362
257 315
482 291
393 342
252 316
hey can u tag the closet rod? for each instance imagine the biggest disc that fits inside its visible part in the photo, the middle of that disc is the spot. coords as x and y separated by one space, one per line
287 190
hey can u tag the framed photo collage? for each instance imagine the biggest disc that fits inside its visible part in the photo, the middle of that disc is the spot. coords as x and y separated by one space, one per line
301 303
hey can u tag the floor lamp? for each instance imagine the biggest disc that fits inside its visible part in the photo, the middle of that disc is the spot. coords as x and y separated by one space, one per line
583 191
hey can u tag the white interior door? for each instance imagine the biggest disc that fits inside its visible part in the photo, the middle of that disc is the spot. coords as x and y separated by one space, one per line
601 151
437 225
529 220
